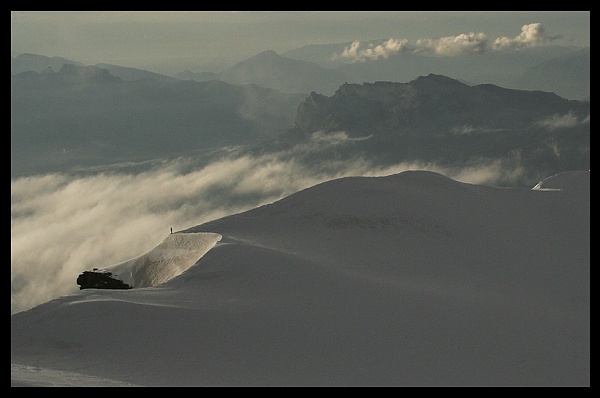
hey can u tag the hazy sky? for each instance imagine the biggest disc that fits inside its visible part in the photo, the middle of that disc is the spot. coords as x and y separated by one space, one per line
170 42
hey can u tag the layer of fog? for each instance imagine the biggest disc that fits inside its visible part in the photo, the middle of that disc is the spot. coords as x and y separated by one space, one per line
64 224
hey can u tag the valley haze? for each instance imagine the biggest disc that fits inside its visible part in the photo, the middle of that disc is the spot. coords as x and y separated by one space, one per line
300 198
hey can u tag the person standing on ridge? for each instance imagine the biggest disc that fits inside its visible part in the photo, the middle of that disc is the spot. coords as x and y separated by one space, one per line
171 230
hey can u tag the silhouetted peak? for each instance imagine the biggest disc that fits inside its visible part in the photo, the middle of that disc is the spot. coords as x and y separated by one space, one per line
433 79
266 55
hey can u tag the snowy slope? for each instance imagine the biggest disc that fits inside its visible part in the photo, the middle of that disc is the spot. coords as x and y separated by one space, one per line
409 279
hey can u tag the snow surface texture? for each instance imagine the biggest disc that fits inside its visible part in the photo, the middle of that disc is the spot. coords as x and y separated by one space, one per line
409 279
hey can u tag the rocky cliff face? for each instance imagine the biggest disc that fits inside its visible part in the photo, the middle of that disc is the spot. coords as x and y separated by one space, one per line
438 119
432 104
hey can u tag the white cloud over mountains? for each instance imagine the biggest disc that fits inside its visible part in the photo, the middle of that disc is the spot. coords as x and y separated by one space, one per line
383 50
531 35
454 45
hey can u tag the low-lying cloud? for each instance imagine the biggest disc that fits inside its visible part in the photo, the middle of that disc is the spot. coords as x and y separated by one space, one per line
532 35
557 121
468 129
62 225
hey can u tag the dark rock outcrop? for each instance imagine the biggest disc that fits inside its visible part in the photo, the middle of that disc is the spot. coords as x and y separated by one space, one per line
430 105
520 136
439 120
98 279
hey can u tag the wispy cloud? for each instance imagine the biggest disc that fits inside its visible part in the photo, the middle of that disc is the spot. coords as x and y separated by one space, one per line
558 121
532 35
468 129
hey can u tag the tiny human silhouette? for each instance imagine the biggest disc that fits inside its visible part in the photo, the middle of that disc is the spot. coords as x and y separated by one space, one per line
171 229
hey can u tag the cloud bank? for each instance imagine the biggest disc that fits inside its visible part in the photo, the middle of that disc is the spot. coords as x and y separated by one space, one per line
373 52
532 35
454 45
62 225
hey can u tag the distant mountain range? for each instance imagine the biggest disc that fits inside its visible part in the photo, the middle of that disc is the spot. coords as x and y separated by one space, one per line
561 70
564 71
38 63
85 116
271 70
96 115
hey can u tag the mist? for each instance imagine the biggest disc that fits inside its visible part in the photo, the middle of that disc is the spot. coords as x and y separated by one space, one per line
64 224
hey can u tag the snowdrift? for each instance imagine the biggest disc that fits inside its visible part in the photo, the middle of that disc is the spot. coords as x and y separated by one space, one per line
171 257
410 279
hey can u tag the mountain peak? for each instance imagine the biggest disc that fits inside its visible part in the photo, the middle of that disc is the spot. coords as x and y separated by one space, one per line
268 54
436 79
269 69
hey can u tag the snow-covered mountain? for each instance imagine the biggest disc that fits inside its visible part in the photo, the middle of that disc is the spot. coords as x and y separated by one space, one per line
409 279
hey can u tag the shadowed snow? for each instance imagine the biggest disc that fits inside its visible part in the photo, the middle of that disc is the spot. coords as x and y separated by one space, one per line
410 279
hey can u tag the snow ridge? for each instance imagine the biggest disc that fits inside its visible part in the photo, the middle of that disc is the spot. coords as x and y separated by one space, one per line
173 256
